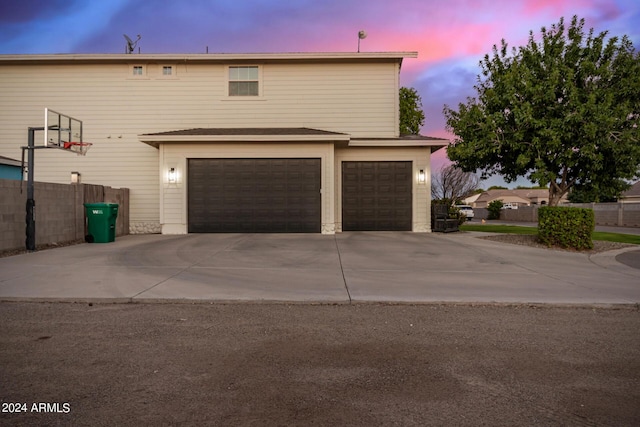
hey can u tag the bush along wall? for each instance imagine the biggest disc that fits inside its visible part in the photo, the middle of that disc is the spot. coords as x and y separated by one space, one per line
566 227
494 208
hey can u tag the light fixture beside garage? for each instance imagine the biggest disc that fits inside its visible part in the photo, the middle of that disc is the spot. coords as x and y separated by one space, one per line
421 176
173 176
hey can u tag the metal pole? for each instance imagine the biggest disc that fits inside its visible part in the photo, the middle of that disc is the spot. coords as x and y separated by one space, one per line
31 203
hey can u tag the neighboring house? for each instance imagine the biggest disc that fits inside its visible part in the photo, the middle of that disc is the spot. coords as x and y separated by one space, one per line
291 142
471 199
10 169
519 197
632 195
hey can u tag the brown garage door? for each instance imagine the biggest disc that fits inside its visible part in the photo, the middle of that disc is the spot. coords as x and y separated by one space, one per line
376 196
254 195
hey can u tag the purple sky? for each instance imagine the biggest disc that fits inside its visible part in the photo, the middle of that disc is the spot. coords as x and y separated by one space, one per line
450 36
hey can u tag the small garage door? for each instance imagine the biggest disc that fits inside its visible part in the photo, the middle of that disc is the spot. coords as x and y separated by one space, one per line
376 196
254 195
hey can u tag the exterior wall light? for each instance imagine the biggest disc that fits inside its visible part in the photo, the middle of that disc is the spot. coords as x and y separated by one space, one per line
75 177
172 176
421 176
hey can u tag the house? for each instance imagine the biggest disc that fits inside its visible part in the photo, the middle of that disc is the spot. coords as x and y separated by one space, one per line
632 195
280 142
517 197
10 168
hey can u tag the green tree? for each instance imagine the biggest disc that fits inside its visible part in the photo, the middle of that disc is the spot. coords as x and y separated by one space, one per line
411 115
589 194
494 207
563 111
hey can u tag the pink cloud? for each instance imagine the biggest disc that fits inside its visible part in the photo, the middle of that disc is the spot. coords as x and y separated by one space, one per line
556 7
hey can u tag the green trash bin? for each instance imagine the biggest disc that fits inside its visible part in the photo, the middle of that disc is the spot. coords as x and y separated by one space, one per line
102 222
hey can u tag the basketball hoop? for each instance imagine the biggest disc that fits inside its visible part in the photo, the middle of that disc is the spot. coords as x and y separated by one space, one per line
80 148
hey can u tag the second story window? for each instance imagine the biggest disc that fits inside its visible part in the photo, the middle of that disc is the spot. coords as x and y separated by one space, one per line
244 81
167 70
138 70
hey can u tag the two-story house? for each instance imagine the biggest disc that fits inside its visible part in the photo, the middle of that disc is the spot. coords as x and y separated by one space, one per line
290 142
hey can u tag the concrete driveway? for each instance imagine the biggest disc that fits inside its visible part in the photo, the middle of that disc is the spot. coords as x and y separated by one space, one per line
347 267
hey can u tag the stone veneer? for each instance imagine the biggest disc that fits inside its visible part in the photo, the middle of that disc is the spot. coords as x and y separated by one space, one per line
145 228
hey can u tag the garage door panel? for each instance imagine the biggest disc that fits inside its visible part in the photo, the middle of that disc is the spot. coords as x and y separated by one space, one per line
377 196
254 195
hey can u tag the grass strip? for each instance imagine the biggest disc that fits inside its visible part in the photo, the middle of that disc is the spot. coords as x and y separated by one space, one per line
515 229
497 228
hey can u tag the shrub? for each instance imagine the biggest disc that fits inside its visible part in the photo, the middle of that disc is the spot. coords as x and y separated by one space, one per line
456 213
566 227
494 209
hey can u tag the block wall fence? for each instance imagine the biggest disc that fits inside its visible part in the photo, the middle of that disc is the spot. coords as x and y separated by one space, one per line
613 214
59 211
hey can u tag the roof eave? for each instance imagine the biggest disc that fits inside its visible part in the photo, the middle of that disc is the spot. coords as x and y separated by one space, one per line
209 57
415 141
156 140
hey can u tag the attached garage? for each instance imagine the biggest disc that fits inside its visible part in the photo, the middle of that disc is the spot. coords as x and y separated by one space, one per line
377 195
291 180
266 195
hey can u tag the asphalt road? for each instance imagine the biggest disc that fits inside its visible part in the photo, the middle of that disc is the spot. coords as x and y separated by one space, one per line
360 365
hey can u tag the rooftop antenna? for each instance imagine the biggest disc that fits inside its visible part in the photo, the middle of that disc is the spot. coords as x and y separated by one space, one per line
131 45
361 35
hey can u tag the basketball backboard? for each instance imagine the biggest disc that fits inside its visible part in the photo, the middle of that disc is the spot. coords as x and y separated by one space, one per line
64 132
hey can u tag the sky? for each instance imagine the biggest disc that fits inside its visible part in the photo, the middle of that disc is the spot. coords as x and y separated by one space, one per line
451 37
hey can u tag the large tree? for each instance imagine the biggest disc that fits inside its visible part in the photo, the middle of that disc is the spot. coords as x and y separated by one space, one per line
563 111
411 114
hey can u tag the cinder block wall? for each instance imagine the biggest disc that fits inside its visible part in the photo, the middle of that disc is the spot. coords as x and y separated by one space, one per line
615 214
56 212
12 214
59 211
522 214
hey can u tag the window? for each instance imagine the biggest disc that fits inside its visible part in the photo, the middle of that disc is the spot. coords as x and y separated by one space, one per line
244 81
138 70
167 70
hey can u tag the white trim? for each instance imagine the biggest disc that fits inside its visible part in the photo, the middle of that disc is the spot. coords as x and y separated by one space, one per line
206 57
399 142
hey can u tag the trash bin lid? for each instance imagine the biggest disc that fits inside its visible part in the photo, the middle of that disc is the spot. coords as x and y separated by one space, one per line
100 205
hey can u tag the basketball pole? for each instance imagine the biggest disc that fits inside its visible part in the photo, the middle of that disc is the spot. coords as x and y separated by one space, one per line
31 203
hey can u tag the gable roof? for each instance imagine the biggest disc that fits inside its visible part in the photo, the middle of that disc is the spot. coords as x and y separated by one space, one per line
634 191
277 134
245 131
526 195
491 195
284 134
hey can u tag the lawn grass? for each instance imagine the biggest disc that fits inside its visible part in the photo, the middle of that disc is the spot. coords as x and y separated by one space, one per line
616 237
497 228
515 229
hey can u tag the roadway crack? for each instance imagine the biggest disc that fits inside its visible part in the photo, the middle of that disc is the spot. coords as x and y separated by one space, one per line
344 279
